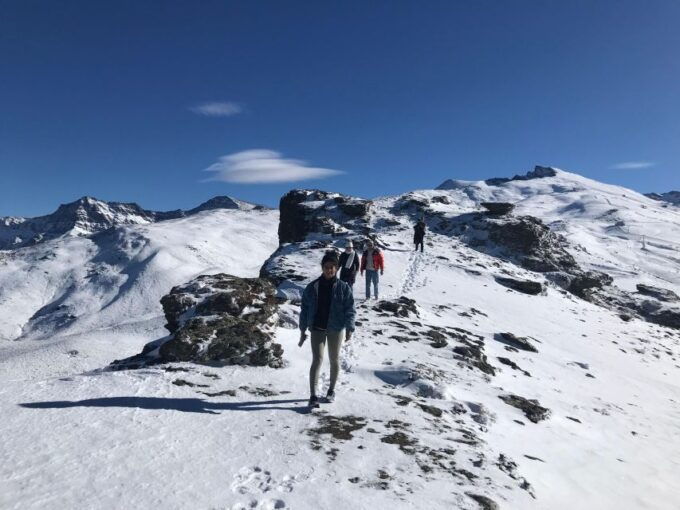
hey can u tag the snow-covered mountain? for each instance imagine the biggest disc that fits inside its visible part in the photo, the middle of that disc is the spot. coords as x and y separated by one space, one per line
483 378
672 197
88 215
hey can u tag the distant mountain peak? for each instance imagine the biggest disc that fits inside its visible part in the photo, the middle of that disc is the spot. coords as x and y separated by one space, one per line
539 172
672 197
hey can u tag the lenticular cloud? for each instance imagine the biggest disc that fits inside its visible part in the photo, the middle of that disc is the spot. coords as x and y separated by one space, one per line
259 166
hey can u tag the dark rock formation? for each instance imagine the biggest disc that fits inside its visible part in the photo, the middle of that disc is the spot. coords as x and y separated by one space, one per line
518 342
530 407
216 319
657 293
402 307
474 355
671 197
539 172
498 208
524 286
313 211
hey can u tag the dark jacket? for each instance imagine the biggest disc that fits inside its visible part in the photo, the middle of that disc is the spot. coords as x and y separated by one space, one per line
341 311
419 231
348 274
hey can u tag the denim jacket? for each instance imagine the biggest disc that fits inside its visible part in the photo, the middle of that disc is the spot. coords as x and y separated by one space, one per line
342 311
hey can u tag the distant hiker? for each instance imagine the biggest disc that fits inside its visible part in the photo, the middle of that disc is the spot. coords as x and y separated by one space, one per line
419 234
328 312
372 261
349 264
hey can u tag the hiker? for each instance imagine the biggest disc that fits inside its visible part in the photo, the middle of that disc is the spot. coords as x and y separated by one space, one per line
349 265
419 234
328 312
372 261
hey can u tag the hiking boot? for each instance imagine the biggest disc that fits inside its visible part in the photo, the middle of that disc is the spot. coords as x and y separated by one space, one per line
330 397
313 401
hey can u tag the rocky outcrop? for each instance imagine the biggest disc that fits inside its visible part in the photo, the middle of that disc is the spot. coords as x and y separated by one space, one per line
658 293
498 208
524 286
518 342
671 197
539 172
303 212
530 407
644 306
216 319
88 215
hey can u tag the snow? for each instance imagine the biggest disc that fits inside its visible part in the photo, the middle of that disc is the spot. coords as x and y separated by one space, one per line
77 436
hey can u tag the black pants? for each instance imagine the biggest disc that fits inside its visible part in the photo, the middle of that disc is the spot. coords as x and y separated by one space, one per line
419 242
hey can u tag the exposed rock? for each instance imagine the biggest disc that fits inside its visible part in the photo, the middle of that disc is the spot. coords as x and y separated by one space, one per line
539 172
671 197
402 307
485 503
216 319
521 343
474 356
313 211
524 286
530 407
498 208
513 365
657 292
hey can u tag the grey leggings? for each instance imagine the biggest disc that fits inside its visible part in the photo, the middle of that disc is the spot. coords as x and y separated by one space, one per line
318 342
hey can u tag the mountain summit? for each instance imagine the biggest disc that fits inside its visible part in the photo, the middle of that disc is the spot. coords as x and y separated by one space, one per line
88 215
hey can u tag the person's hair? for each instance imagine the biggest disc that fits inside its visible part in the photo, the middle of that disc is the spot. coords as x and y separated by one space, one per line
330 256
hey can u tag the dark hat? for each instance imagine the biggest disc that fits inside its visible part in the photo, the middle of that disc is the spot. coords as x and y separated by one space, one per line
330 256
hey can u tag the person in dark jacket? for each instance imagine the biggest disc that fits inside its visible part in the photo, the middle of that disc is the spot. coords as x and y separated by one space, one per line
328 312
349 265
419 234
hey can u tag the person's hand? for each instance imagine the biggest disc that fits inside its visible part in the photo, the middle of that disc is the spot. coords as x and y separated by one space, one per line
362 273
382 272
303 337
348 335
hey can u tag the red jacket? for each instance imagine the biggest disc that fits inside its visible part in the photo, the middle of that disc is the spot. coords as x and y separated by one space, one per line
378 260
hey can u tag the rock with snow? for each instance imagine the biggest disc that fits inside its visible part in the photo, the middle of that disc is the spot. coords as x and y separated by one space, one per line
657 293
530 407
498 208
525 286
670 197
217 319
521 343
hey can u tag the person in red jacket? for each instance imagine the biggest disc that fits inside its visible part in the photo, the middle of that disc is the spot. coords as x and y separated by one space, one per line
372 261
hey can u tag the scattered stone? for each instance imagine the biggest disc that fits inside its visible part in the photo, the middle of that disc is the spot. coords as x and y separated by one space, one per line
182 382
228 393
402 440
402 307
513 365
573 419
530 407
434 411
485 503
339 427
474 356
515 341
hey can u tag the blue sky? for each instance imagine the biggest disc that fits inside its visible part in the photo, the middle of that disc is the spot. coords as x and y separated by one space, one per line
133 100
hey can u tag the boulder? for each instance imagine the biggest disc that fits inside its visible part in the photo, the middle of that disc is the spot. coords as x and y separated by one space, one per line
657 292
219 320
498 208
518 342
524 286
530 407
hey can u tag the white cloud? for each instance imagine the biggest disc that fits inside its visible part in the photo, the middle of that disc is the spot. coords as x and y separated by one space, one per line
217 109
632 165
260 166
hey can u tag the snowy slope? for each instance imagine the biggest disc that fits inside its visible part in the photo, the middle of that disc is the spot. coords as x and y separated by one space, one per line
416 424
